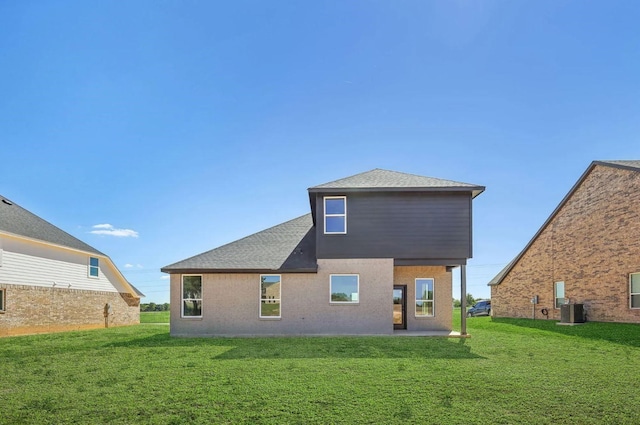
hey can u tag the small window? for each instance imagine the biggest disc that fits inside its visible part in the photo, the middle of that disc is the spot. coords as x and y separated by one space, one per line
270 289
424 297
94 267
558 291
335 214
344 288
191 296
2 300
634 282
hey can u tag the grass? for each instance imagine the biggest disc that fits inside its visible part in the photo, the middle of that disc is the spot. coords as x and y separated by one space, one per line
154 317
509 372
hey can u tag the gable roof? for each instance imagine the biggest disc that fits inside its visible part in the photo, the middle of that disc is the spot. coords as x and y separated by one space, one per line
378 179
287 247
633 165
16 220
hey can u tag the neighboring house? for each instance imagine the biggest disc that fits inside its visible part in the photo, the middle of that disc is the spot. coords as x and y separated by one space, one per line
375 254
587 252
51 281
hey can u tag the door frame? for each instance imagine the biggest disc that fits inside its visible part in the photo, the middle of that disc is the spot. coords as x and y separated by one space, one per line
402 325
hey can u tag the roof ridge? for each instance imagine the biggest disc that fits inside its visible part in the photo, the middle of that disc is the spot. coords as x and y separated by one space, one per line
82 246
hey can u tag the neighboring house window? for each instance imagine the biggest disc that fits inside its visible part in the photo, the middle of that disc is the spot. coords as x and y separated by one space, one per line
558 291
335 214
270 290
344 288
634 282
424 297
191 296
2 299
94 267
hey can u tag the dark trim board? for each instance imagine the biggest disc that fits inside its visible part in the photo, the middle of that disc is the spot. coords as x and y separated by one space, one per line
449 262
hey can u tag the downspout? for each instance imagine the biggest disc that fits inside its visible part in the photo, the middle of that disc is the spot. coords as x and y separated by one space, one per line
463 299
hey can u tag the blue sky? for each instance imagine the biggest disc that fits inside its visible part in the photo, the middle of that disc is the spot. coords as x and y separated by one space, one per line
184 125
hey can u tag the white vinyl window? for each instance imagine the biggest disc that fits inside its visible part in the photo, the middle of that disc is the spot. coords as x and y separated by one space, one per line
344 288
270 290
2 300
191 294
424 297
335 214
558 294
94 267
634 286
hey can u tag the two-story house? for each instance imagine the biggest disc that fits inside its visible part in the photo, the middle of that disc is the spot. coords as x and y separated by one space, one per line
375 254
51 281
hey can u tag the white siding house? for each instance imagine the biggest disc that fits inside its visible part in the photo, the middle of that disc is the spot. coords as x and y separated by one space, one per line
51 281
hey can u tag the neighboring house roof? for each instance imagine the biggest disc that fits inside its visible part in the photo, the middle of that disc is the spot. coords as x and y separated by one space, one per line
16 220
287 247
633 165
378 179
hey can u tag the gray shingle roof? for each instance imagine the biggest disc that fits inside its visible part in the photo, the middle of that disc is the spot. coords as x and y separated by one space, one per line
16 220
287 247
385 179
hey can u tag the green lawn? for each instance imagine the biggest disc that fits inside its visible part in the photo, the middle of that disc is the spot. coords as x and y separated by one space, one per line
509 372
154 317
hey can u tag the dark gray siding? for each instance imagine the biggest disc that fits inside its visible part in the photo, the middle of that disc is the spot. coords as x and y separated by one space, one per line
405 225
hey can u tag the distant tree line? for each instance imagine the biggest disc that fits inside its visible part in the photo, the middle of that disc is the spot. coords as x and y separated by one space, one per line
470 301
154 307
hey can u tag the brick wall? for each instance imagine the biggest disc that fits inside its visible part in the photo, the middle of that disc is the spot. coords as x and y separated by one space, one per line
592 244
31 309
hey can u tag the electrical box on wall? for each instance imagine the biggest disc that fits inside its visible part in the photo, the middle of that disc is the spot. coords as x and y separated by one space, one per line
534 300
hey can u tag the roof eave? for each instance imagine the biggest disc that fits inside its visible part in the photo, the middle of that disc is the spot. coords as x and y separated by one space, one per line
226 271
475 190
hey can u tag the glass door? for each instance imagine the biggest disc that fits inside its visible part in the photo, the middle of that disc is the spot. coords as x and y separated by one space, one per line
399 307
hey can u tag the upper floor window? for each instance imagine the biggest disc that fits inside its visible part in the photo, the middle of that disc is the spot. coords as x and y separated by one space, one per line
270 290
424 297
335 214
344 288
94 267
634 282
191 296
558 291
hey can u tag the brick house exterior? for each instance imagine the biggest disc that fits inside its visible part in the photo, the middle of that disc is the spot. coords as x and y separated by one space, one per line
374 256
589 246
51 281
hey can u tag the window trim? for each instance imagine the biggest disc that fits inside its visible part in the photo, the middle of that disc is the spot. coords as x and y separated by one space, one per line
432 300
91 267
3 300
555 293
324 203
279 299
182 299
331 291
631 294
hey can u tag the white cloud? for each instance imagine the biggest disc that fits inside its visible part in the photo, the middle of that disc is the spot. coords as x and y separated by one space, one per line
109 230
103 226
128 266
165 277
